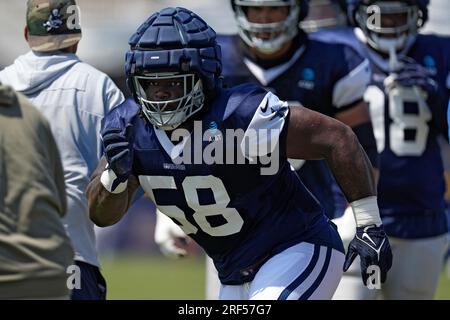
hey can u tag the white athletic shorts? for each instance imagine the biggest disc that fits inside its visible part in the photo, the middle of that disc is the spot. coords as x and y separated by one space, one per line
302 272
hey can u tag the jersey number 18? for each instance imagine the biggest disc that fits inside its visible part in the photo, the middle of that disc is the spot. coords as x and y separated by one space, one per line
414 120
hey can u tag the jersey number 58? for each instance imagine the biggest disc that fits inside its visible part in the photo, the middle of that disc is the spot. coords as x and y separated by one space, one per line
190 185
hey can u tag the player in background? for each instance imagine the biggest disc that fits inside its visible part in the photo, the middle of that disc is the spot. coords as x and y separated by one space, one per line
254 224
327 26
74 97
272 51
408 98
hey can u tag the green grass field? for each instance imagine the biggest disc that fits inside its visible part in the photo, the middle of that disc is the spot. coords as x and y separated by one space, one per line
153 278
157 278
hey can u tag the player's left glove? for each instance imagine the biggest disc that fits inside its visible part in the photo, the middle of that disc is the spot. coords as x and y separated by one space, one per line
372 246
412 74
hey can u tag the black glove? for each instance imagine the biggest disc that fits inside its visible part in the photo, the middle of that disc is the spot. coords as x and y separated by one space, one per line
372 246
410 74
119 154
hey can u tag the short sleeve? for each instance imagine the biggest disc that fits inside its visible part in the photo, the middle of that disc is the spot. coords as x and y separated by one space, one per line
354 76
265 128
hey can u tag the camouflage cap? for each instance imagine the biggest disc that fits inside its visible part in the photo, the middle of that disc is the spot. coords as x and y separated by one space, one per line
52 24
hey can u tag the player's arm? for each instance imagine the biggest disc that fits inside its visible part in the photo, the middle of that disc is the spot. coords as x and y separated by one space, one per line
358 118
348 105
113 185
323 137
312 136
107 208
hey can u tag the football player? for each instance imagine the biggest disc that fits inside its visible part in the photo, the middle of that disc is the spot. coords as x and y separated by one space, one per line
408 98
267 235
272 51
329 78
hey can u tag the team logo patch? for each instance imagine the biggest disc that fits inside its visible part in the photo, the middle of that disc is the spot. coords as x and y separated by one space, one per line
309 74
307 79
430 64
54 21
213 133
213 126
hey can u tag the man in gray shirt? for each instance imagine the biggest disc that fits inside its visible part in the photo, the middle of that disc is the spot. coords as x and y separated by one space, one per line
74 97
35 251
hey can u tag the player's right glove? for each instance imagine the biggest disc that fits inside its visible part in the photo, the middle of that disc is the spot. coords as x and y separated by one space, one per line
169 237
118 151
372 246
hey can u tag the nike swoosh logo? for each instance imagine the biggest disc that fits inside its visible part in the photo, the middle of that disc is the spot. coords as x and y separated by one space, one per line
264 109
365 235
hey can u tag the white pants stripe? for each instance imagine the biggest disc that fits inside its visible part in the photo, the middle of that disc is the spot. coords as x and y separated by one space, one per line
306 274
303 271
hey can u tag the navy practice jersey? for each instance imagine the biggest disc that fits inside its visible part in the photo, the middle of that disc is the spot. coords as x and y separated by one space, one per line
239 216
328 78
411 186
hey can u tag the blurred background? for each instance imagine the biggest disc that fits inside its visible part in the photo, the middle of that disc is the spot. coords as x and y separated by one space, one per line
131 262
107 25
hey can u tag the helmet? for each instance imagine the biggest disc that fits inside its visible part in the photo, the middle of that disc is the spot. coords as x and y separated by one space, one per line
177 46
324 14
281 32
363 14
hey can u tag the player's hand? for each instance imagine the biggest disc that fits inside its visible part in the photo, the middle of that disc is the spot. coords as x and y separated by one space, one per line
412 74
118 151
169 237
117 144
372 246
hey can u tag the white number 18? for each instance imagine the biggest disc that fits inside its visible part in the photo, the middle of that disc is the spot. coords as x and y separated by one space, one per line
400 120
